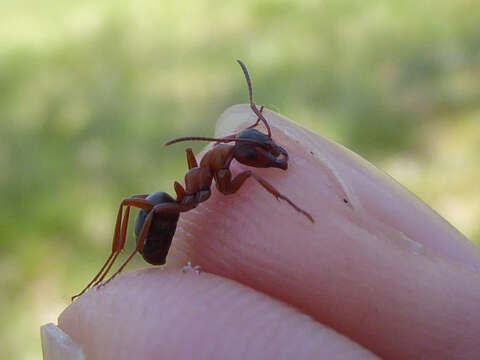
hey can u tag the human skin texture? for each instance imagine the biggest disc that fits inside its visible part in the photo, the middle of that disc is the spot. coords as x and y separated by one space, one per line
379 272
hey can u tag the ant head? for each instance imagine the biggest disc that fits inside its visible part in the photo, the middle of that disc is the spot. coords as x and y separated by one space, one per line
262 152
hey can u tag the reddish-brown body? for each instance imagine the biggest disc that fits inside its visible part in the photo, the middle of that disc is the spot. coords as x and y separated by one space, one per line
157 219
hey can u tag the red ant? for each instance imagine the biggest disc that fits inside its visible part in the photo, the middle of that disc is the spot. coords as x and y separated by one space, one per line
156 222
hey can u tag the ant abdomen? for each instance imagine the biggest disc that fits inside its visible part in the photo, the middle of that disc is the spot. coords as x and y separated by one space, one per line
160 235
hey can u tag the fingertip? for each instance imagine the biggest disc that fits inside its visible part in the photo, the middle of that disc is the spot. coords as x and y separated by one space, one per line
372 243
339 173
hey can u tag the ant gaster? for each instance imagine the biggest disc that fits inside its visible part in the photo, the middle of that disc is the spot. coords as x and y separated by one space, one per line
156 222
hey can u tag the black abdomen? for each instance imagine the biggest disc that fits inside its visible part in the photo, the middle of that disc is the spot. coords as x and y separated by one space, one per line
159 237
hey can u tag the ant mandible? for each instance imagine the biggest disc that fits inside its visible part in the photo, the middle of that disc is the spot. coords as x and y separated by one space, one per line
156 222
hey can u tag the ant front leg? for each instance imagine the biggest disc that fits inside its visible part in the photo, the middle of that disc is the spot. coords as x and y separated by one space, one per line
227 186
119 236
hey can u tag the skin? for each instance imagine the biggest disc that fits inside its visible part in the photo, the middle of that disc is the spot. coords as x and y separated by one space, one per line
381 274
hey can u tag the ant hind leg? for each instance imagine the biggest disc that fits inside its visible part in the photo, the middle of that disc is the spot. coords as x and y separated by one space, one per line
168 208
119 236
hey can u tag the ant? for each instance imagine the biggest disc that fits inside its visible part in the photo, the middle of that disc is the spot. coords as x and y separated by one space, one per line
156 222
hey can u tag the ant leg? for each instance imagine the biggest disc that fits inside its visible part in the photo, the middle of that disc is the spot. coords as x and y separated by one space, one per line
122 237
173 208
258 119
228 186
119 247
118 242
169 208
192 162
179 190
141 239
271 189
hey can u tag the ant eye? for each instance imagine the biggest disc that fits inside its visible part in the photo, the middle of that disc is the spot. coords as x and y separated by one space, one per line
275 151
272 149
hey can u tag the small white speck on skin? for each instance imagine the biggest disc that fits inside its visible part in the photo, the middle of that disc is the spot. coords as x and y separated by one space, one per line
197 269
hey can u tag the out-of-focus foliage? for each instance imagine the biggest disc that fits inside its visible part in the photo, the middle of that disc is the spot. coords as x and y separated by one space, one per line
90 90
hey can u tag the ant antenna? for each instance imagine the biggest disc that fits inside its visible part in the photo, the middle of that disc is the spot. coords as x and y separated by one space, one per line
252 104
218 140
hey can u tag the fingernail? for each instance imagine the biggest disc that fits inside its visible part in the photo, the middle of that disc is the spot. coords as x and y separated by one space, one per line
57 345
233 119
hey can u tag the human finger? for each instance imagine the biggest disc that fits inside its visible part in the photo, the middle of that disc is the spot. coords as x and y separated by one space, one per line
152 314
377 265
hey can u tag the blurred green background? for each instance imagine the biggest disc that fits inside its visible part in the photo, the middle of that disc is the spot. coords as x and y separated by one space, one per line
89 91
